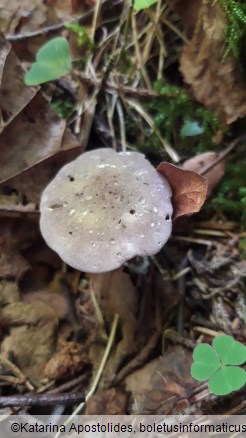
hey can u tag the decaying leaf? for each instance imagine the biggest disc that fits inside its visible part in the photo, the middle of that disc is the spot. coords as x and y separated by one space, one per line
55 301
161 386
30 131
27 15
32 336
199 162
111 401
216 80
189 189
9 293
12 264
29 185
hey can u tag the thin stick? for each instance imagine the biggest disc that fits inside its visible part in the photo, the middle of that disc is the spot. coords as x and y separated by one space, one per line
47 29
121 125
138 53
223 154
41 399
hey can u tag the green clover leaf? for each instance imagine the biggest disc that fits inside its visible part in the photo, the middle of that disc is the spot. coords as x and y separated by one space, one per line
230 352
52 61
206 362
217 365
226 380
143 4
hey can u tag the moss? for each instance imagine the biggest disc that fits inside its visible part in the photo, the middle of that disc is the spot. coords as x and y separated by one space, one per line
235 31
63 107
231 193
181 121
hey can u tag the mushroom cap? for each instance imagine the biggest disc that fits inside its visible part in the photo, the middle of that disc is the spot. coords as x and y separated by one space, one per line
105 208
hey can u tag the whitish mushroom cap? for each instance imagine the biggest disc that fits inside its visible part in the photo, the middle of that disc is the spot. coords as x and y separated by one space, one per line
105 208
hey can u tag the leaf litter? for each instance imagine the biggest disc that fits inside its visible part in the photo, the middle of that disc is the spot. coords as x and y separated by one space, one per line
55 324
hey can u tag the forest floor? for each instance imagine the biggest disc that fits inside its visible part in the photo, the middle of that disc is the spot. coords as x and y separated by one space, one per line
162 82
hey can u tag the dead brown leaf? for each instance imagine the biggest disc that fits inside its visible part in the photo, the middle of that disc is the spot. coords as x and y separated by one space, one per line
9 293
189 189
216 82
12 264
24 16
30 130
67 362
55 301
32 336
158 387
111 401
28 185
199 162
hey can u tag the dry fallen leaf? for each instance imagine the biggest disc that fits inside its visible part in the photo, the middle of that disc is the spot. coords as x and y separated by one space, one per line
31 338
199 162
111 401
189 189
55 301
12 264
25 15
30 131
160 386
216 82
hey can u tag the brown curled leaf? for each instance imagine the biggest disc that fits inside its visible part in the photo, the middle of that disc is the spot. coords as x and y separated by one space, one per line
189 189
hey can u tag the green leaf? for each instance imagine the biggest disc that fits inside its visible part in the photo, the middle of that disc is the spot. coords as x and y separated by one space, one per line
206 362
52 61
226 380
191 128
230 352
143 4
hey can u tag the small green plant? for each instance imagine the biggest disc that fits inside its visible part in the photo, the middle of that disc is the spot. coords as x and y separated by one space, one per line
143 4
230 196
179 119
235 30
52 61
219 365
82 34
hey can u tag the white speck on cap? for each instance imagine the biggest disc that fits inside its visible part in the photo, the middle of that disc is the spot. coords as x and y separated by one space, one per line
91 213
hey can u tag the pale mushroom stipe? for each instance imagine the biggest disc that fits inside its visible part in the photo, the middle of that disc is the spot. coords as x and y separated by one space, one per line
105 208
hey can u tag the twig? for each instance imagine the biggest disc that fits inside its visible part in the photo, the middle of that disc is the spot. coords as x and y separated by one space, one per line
138 53
98 312
174 29
115 87
182 289
41 399
48 29
193 240
111 104
141 111
223 154
121 125
20 379
68 385
207 331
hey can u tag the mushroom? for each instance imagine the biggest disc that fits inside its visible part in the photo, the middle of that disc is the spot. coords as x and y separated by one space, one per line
105 208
